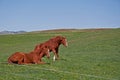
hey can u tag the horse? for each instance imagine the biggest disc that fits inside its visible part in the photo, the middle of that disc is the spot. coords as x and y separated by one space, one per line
53 45
34 57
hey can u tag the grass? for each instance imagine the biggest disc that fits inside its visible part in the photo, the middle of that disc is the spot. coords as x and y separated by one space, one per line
91 55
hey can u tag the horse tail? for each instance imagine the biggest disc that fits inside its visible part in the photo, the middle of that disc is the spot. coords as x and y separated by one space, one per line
9 61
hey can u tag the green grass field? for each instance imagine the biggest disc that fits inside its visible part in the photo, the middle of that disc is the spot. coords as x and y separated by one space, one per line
91 55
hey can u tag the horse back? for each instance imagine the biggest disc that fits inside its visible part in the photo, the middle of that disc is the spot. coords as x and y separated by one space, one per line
31 57
51 44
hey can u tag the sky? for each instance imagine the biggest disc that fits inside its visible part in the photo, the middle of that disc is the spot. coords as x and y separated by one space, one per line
35 15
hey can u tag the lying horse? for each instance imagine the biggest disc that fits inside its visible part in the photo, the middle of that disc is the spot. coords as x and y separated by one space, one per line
33 57
53 45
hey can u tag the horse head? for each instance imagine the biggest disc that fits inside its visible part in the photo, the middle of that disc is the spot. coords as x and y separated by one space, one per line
45 52
64 41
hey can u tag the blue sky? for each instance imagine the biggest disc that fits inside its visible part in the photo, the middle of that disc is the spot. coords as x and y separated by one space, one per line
31 15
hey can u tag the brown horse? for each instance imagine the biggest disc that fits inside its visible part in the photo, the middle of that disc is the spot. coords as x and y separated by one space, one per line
34 57
53 45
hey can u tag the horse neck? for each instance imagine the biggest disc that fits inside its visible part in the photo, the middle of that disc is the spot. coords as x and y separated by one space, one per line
58 42
37 52
33 53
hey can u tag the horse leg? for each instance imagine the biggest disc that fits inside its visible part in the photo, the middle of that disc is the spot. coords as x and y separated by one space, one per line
41 63
36 60
55 55
20 61
54 58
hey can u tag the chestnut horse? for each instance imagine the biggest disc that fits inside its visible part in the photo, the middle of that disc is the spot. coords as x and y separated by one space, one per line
53 45
33 57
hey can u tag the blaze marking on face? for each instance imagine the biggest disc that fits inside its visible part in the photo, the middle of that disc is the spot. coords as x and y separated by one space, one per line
48 53
48 50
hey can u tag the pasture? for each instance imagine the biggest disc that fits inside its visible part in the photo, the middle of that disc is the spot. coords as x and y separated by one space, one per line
92 54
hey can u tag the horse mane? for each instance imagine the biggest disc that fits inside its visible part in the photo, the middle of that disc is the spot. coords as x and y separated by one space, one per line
57 38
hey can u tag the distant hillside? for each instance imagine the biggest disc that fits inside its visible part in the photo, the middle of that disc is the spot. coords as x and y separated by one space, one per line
55 30
11 32
69 30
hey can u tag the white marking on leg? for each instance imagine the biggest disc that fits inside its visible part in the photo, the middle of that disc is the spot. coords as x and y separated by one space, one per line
54 58
66 42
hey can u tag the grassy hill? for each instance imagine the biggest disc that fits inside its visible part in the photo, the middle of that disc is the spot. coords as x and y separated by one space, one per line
92 54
